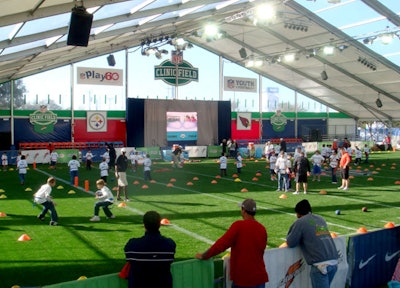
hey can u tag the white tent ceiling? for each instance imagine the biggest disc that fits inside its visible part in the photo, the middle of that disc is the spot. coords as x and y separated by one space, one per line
351 87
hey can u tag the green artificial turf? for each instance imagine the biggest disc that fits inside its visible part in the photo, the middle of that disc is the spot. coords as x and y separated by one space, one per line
198 213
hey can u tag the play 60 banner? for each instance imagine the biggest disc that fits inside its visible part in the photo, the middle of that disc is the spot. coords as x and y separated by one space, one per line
100 76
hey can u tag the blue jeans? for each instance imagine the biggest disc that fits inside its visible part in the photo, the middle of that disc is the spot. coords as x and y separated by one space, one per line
257 286
48 205
104 205
282 181
73 174
319 280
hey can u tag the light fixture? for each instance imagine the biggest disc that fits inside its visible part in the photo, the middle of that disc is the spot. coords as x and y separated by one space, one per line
263 13
387 38
367 63
253 62
289 57
297 27
329 50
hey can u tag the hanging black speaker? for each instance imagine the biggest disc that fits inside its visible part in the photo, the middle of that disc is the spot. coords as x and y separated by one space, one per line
111 60
243 52
79 27
324 76
378 103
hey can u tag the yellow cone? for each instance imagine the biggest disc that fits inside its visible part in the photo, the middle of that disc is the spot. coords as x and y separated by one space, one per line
237 180
71 192
28 189
3 196
82 278
2 191
60 187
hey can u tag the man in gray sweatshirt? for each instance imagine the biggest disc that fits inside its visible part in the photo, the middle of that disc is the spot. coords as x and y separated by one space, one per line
311 233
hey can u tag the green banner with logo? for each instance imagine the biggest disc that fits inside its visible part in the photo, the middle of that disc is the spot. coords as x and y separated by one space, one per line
64 155
214 151
154 152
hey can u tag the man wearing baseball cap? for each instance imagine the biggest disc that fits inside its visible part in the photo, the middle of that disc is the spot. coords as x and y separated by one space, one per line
120 173
247 239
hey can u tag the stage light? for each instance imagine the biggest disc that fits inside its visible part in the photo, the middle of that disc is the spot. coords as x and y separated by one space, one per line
329 50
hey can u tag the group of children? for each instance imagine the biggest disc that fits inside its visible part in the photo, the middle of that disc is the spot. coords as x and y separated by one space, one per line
223 163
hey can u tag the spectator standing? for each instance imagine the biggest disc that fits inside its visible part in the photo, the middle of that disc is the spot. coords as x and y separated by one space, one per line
283 145
150 256
106 155
272 160
105 199
43 197
224 145
325 152
89 158
358 156
333 163
301 167
53 159
73 165
290 171
317 161
4 161
223 164
239 163
344 166
366 153
282 170
176 157
113 155
120 173
103 166
247 239
311 233
335 145
147 168
22 169
134 160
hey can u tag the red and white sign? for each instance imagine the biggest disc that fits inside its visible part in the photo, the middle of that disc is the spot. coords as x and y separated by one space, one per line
100 76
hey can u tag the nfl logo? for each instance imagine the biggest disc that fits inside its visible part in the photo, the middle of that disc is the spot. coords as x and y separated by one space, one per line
177 57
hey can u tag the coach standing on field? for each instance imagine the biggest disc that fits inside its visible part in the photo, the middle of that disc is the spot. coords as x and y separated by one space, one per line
120 173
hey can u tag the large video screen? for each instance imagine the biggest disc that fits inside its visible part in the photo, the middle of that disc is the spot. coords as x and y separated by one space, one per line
181 126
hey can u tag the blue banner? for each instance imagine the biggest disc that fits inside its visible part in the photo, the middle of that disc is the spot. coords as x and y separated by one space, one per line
372 258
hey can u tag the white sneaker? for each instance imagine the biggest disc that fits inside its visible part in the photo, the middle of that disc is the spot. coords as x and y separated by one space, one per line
95 219
296 193
111 217
305 192
346 188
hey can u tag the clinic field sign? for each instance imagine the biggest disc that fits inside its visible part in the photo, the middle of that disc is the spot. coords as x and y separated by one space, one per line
176 74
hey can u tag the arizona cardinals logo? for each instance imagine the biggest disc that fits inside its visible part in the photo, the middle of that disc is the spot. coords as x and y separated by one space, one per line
245 121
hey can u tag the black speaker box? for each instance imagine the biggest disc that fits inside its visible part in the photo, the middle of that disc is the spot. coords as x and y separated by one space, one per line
242 52
324 76
111 60
79 27
378 103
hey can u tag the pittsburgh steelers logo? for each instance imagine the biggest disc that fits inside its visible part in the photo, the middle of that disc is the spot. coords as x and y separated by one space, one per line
97 121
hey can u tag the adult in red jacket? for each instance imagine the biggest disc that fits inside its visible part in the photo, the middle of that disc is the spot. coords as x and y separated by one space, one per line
247 239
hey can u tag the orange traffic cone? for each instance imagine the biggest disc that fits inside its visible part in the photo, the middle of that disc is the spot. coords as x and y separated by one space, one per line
2 214
244 190
122 204
24 237
362 230
165 221
389 225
